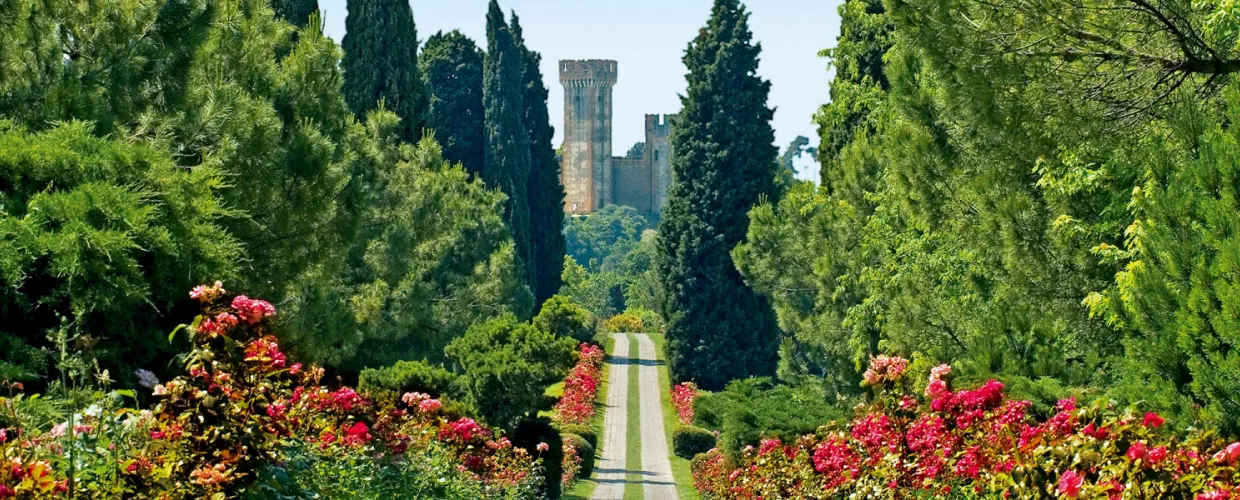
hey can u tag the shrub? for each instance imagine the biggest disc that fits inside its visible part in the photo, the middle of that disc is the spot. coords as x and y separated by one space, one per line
507 365
586 432
564 318
623 323
978 443
651 321
584 450
688 441
408 376
753 408
576 406
541 439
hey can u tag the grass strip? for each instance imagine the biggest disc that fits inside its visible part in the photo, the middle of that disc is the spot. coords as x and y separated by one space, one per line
680 467
633 456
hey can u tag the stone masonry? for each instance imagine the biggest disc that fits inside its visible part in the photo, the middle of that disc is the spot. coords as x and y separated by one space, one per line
592 177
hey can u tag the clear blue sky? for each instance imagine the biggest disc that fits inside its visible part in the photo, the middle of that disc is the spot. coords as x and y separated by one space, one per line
648 38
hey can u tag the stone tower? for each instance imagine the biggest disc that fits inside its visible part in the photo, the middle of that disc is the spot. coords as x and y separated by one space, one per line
587 171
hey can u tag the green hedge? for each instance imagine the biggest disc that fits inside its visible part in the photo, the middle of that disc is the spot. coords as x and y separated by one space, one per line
584 431
688 441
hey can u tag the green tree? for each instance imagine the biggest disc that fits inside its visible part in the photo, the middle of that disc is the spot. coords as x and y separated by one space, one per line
452 66
560 316
96 236
860 82
296 12
546 193
718 328
381 63
505 366
601 240
507 165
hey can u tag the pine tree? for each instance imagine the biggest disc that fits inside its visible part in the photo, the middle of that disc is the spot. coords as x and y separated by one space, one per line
507 164
296 12
381 63
724 162
545 190
452 67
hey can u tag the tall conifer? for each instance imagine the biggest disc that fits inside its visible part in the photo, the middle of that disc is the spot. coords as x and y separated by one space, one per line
381 63
545 190
724 161
507 164
452 66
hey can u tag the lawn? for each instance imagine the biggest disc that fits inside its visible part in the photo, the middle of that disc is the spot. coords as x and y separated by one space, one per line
583 489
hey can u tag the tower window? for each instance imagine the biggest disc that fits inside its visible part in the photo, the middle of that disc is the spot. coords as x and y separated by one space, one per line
656 155
581 110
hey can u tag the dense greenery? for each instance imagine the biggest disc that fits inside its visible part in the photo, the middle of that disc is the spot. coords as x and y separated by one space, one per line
381 63
724 161
451 63
1055 213
546 193
296 12
507 164
751 409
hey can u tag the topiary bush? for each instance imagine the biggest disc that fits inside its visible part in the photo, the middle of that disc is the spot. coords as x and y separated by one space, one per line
751 409
585 431
688 441
624 323
541 439
564 318
408 376
585 450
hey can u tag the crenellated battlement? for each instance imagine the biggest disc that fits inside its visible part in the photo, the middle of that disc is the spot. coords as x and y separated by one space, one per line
588 73
659 125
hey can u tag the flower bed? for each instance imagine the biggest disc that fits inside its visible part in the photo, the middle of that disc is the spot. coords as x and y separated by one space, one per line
977 443
240 407
682 399
576 406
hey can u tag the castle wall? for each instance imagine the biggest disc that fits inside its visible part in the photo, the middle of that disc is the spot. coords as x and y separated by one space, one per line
632 183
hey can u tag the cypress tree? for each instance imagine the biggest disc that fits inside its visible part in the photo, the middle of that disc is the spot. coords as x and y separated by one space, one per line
451 64
296 12
381 63
507 162
545 190
724 161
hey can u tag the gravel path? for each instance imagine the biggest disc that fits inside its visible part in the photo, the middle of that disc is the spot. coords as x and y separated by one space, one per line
657 480
611 471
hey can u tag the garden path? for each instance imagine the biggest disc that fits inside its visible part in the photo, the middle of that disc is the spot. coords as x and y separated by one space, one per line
610 473
657 480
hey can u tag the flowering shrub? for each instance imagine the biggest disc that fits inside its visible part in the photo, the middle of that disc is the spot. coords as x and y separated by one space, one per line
624 323
977 443
576 406
241 407
682 399
571 463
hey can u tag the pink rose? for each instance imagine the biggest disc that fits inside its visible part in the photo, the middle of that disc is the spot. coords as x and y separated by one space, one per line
1070 484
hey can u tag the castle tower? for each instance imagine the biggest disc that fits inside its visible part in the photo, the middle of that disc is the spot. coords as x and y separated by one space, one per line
659 151
586 172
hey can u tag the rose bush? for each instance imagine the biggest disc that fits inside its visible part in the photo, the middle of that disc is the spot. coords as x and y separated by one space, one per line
576 406
241 407
682 399
977 443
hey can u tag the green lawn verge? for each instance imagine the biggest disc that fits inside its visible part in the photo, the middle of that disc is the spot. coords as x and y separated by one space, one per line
633 458
680 467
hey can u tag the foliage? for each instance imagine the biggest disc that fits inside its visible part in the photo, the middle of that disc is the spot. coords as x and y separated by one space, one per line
860 81
296 12
381 64
564 318
683 396
600 240
433 259
243 407
718 329
546 193
751 409
403 377
541 439
602 294
586 432
976 443
505 366
576 406
689 441
451 64
623 323
507 159
94 234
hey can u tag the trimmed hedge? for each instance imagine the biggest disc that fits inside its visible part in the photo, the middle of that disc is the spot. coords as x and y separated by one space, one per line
408 376
688 441
528 434
584 431
585 450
